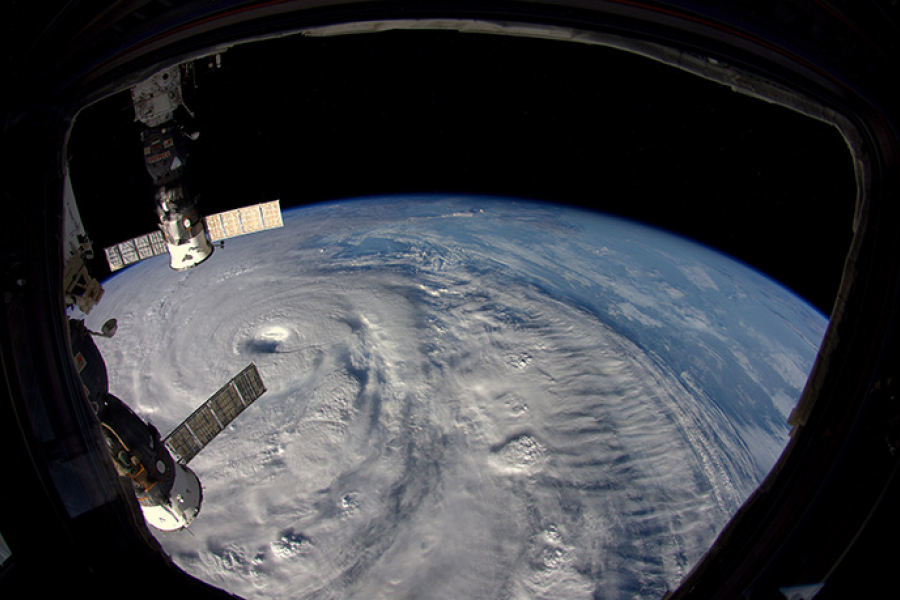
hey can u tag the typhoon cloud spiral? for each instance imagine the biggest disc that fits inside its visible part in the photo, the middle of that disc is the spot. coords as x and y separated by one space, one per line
468 397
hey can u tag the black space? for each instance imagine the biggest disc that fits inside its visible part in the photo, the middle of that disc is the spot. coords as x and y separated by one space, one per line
306 120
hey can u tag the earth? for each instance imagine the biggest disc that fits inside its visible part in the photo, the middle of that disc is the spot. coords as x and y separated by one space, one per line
467 397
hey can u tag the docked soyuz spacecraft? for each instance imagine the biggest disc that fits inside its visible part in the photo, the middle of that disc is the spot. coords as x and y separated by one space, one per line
184 233
168 491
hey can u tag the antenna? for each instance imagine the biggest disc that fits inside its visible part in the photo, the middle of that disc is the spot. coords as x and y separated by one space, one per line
108 330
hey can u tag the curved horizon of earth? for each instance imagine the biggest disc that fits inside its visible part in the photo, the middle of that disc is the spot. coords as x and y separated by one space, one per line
467 396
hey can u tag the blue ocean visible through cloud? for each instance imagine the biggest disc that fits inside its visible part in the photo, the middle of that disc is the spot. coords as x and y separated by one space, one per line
468 397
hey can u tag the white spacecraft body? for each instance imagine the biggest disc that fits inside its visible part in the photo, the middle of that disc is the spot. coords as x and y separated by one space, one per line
183 229
190 253
183 503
